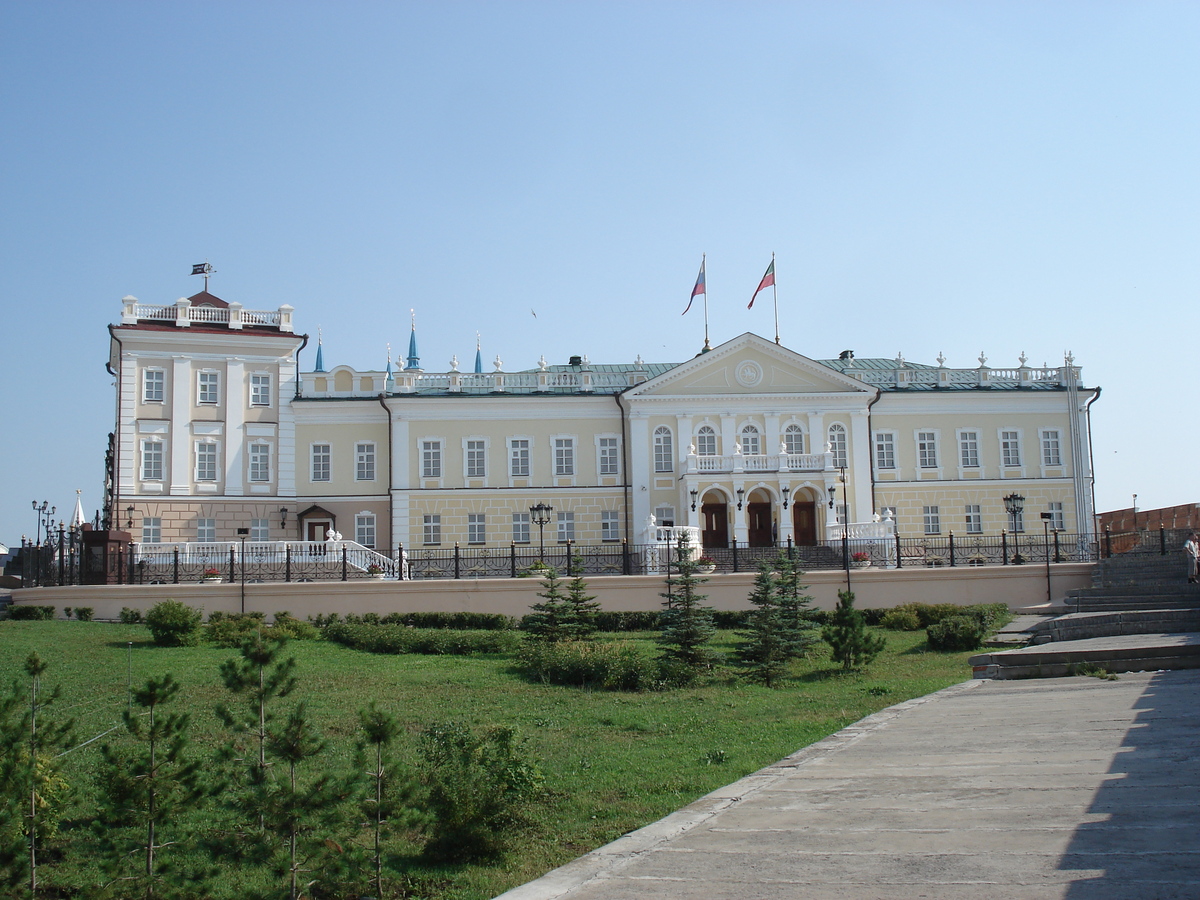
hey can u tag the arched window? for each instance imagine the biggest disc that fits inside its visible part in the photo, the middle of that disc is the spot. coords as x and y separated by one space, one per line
706 441
751 446
664 455
837 445
793 439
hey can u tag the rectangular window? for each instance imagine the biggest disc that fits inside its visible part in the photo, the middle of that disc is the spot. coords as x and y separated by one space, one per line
840 514
260 529
927 449
564 456
1057 519
1010 448
364 529
206 387
152 460
610 525
974 519
566 527
152 530
260 389
260 462
933 520
431 527
153 383
321 459
364 463
664 516
968 448
885 450
476 459
518 456
206 461
1018 522
206 531
476 528
608 457
431 459
1051 454
520 528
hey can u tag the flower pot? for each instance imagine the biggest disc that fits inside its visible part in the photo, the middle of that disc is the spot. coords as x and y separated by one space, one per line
706 569
377 576
211 579
860 564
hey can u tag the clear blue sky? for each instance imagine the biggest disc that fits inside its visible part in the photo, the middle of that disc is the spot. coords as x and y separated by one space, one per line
957 177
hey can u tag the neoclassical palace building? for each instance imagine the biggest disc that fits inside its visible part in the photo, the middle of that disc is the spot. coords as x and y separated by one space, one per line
218 429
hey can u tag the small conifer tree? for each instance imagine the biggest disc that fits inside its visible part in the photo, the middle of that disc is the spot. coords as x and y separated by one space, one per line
850 642
550 620
687 625
763 652
582 607
798 632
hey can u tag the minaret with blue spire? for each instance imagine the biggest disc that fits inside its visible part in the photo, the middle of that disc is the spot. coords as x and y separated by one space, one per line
389 383
414 360
320 364
478 356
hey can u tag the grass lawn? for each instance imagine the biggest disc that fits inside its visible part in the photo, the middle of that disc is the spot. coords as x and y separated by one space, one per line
613 762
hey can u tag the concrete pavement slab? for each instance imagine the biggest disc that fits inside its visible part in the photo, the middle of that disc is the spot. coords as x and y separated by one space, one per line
1080 788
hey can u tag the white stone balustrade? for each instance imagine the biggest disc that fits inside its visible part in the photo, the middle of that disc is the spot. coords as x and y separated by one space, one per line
184 314
768 462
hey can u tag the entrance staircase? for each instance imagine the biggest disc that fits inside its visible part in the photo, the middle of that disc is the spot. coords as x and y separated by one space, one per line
1143 577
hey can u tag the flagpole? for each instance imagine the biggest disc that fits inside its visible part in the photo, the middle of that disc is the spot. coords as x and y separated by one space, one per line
703 257
775 294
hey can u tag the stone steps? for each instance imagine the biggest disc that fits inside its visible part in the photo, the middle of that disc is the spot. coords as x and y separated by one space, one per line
1125 653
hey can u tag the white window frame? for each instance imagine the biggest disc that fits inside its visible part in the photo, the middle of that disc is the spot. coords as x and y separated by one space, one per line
365 528
260 530
431 457
608 455
664 449
928 458
208 381
431 529
520 528
932 518
476 528
258 455
151 529
148 389
562 450
838 444
475 458
794 430
749 432
364 461
1017 522
1051 445
520 456
885 450
974 518
706 431
1058 520
260 389
199 474
966 452
664 513
565 526
314 460
206 531
1010 447
154 461
610 525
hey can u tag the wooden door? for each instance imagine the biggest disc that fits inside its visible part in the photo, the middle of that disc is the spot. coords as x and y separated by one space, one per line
716 525
315 529
804 520
758 521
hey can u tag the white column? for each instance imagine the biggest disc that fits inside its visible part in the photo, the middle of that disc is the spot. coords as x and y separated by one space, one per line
728 434
639 469
860 468
785 515
399 464
741 531
817 438
771 438
683 438
181 430
286 390
235 432
127 448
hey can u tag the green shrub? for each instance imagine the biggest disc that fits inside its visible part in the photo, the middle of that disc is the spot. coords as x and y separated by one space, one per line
131 616
427 641
956 633
84 613
174 624
287 625
459 621
232 629
31 613
901 618
628 620
67 610
614 666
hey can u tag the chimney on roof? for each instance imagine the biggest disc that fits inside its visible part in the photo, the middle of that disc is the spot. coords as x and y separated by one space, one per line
576 361
846 355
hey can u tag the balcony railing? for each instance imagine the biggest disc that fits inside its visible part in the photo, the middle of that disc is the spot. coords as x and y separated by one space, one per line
184 315
770 462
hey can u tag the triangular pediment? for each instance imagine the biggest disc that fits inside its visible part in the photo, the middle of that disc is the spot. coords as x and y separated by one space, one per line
749 364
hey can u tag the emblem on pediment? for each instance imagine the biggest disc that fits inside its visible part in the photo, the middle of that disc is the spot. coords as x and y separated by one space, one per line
748 373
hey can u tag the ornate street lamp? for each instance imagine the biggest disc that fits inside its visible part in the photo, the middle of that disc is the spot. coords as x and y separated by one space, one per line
541 517
785 491
44 513
741 492
1014 504
695 493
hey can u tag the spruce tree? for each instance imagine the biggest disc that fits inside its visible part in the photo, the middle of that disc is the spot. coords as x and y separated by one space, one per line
763 652
550 620
145 792
686 625
851 644
797 630
582 607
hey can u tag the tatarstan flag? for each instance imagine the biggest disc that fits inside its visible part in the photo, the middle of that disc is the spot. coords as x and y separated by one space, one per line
767 281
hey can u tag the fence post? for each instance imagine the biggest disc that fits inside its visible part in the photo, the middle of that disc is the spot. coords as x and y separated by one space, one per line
1004 548
512 559
344 569
570 556
952 549
456 559
1107 542
899 561
287 563
1057 558
624 556
232 568
791 548
733 542
1162 540
175 567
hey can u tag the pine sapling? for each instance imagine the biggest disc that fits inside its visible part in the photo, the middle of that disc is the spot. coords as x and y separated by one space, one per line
850 642
687 625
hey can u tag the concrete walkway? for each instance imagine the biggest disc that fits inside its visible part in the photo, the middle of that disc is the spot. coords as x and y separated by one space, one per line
1057 788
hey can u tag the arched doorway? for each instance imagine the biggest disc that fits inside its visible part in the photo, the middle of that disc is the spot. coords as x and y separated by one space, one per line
804 519
760 531
714 532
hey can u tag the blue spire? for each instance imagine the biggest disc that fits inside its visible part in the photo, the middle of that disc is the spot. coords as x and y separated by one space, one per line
320 366
478 356
389 379
414 360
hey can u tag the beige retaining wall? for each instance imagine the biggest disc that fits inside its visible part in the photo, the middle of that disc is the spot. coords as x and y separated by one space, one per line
1018 586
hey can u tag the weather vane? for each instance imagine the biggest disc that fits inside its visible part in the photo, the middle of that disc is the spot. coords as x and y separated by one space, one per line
205 269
